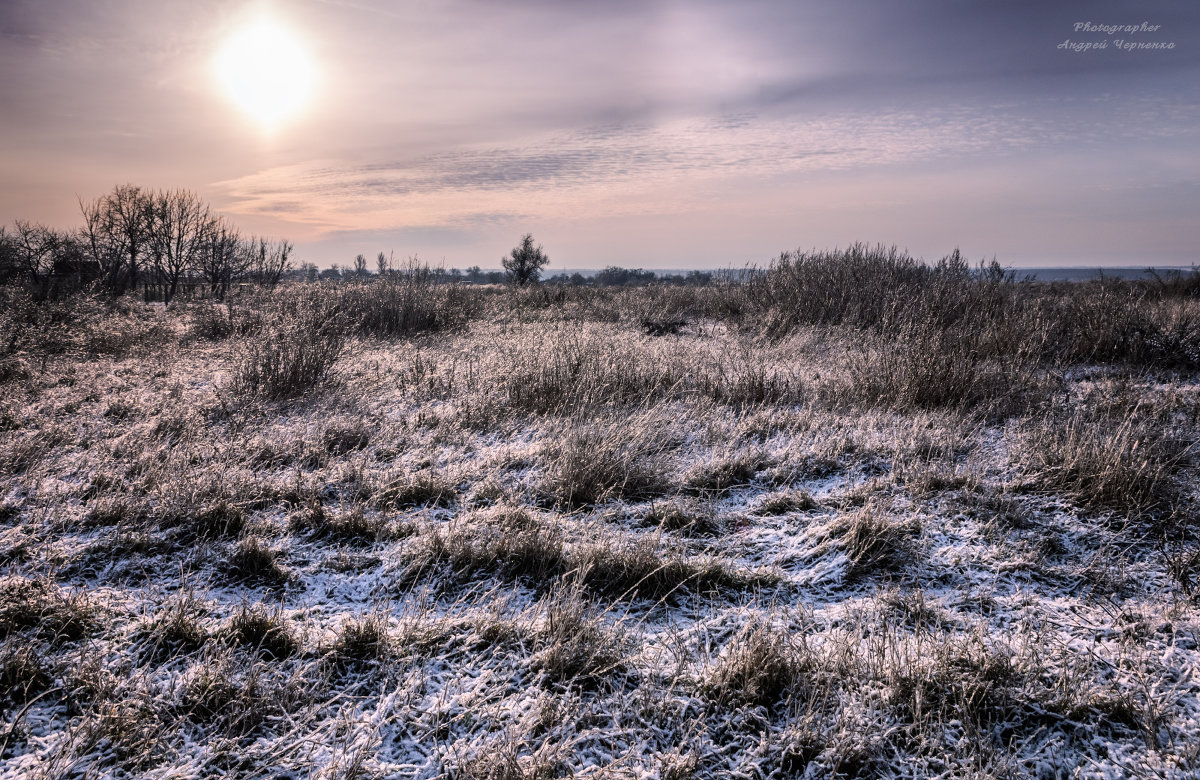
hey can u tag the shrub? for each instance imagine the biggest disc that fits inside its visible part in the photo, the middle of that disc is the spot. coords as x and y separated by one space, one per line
408 302
864 286
525 263
294 351
923 365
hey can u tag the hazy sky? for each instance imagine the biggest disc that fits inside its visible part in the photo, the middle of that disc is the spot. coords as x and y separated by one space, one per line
642 134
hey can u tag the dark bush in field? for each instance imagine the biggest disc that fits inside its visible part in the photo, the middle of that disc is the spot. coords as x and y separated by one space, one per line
407 302
296 348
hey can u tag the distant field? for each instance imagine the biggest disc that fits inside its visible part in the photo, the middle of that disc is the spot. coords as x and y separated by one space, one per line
858 517
1133 273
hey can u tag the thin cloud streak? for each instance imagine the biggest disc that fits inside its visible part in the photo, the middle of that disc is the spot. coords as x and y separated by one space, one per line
620 171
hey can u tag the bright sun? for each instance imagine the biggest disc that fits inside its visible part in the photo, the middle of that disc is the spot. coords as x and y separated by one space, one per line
264 69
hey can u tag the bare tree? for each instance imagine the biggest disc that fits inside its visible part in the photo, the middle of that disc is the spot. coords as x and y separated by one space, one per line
525 263
382 264
117 232
34 248
360 265
271 260
179 226
224 257
9 263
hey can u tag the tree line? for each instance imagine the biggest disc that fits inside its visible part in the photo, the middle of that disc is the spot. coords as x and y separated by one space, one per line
158 241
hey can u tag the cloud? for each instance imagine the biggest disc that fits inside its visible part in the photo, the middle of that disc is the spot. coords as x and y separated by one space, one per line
665 168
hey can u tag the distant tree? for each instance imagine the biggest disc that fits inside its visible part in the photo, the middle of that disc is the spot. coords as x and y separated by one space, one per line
333 272
34 247
360 265
224 257
525 263
117 232
616 276
9 264
382 264
180 223
270 260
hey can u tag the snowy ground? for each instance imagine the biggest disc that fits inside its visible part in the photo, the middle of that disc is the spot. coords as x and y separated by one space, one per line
536 549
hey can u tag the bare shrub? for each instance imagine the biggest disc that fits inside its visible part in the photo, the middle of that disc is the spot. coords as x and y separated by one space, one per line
925 365
406 302
295 350
863 286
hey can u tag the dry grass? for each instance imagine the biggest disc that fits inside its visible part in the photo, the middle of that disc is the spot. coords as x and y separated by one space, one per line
855 517
1107 458
606 459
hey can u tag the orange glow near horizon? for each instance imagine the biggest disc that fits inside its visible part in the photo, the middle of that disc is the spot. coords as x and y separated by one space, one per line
264 69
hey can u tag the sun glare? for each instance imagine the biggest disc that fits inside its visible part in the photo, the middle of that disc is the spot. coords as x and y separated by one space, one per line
264 69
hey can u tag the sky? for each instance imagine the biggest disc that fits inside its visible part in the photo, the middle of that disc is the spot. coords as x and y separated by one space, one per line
638 133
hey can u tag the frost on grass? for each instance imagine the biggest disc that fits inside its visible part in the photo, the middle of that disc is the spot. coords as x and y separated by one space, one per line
657 532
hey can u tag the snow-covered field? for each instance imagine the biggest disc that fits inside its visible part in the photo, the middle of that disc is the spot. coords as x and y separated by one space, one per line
551 544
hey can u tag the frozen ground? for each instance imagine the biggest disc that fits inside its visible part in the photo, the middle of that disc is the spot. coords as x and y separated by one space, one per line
541 548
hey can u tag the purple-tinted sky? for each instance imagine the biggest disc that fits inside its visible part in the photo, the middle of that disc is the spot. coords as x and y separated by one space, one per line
635 133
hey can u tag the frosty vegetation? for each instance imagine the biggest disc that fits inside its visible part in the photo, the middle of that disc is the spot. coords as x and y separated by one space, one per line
856 516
